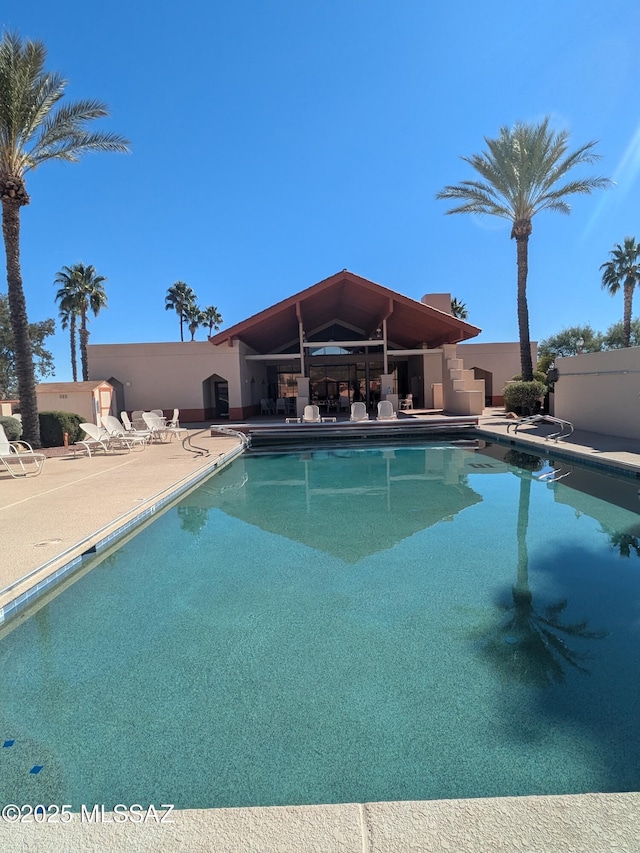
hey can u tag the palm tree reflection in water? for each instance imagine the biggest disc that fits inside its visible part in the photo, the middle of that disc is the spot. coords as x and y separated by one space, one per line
529 644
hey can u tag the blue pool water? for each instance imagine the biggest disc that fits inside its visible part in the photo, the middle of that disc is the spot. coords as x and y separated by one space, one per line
339 626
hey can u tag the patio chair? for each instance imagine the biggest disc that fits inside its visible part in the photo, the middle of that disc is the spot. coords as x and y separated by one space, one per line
311 415
281 406
173 425
157 427
407 402
344 404
358 412
130 429
96 439
19 458
137 420
386 412
265 407
118 434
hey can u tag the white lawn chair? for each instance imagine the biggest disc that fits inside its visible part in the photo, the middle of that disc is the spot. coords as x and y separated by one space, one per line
311 415
96 439
130 429
407 402
386 412
119 435
358 412
157 427
137 419
19 458
173 425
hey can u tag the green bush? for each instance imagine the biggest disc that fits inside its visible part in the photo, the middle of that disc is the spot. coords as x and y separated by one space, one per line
523 397
12 427
538 376
53 426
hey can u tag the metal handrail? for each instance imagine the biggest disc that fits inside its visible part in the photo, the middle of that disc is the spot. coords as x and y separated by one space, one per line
536 420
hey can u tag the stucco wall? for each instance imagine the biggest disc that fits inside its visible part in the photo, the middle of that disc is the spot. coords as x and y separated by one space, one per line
63 397
502 360
167 375
600 392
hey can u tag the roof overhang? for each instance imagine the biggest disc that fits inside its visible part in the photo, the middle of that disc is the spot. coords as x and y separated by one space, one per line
356 302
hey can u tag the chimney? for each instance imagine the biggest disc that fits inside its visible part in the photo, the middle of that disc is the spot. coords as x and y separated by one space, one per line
440 301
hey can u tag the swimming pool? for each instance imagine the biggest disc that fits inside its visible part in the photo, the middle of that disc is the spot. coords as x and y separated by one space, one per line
339 626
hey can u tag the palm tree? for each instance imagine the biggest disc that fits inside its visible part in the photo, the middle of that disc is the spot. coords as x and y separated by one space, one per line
459 309
212 318
623 269
81 291
32 131
522 173
194 317
179 297
68 320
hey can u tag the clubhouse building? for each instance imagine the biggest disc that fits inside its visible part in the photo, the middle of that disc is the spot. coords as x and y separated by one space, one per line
345 339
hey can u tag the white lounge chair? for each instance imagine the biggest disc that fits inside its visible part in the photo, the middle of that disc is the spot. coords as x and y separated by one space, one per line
137 420
311 415
19 458
119 435
386 411
358 412
130 429
157 427
96 439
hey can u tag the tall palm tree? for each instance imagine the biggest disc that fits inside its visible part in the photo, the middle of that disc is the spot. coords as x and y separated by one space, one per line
523 172
623 269
194 318
212 318
81 292
68 320
179 297
459 309
33 129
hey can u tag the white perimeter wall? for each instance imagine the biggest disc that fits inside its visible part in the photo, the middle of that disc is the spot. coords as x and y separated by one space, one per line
600 392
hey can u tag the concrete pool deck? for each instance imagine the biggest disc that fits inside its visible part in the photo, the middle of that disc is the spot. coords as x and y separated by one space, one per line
47 519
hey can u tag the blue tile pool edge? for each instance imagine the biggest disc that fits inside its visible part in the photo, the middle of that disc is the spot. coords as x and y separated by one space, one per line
13 607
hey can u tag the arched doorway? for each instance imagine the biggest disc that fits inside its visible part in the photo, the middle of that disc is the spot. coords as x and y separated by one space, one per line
215 397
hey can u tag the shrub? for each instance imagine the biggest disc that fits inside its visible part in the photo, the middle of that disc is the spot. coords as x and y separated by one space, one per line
538 376
53 426
12 427
523 397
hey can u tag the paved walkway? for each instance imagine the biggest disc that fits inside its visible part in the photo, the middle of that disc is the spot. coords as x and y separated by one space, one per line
591 447
48 518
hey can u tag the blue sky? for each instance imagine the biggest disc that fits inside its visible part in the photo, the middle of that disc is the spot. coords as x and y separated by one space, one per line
275 142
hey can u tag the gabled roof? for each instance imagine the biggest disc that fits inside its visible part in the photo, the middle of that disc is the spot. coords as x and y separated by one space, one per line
69 387
348 298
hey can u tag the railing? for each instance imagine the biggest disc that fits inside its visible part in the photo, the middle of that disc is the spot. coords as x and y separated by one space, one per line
536 420
187 443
